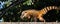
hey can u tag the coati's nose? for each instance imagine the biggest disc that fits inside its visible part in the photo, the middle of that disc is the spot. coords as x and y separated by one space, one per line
24 18
21 17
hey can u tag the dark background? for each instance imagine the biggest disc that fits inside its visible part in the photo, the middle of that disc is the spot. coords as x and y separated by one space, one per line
50 16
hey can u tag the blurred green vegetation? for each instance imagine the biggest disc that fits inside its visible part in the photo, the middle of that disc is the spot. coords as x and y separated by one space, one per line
13 14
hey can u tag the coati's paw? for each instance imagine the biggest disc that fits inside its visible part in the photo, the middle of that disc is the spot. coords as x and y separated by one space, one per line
42 19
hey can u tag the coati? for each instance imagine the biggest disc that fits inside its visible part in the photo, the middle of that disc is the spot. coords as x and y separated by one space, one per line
37 13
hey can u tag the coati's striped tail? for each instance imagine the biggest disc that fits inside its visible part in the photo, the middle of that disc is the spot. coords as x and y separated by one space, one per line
46 9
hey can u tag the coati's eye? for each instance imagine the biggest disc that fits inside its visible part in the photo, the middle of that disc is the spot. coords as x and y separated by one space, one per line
25 12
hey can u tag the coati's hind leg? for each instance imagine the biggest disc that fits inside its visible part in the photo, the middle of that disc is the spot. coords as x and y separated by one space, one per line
40 17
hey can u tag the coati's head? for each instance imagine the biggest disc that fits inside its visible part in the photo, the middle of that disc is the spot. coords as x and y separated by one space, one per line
25 15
